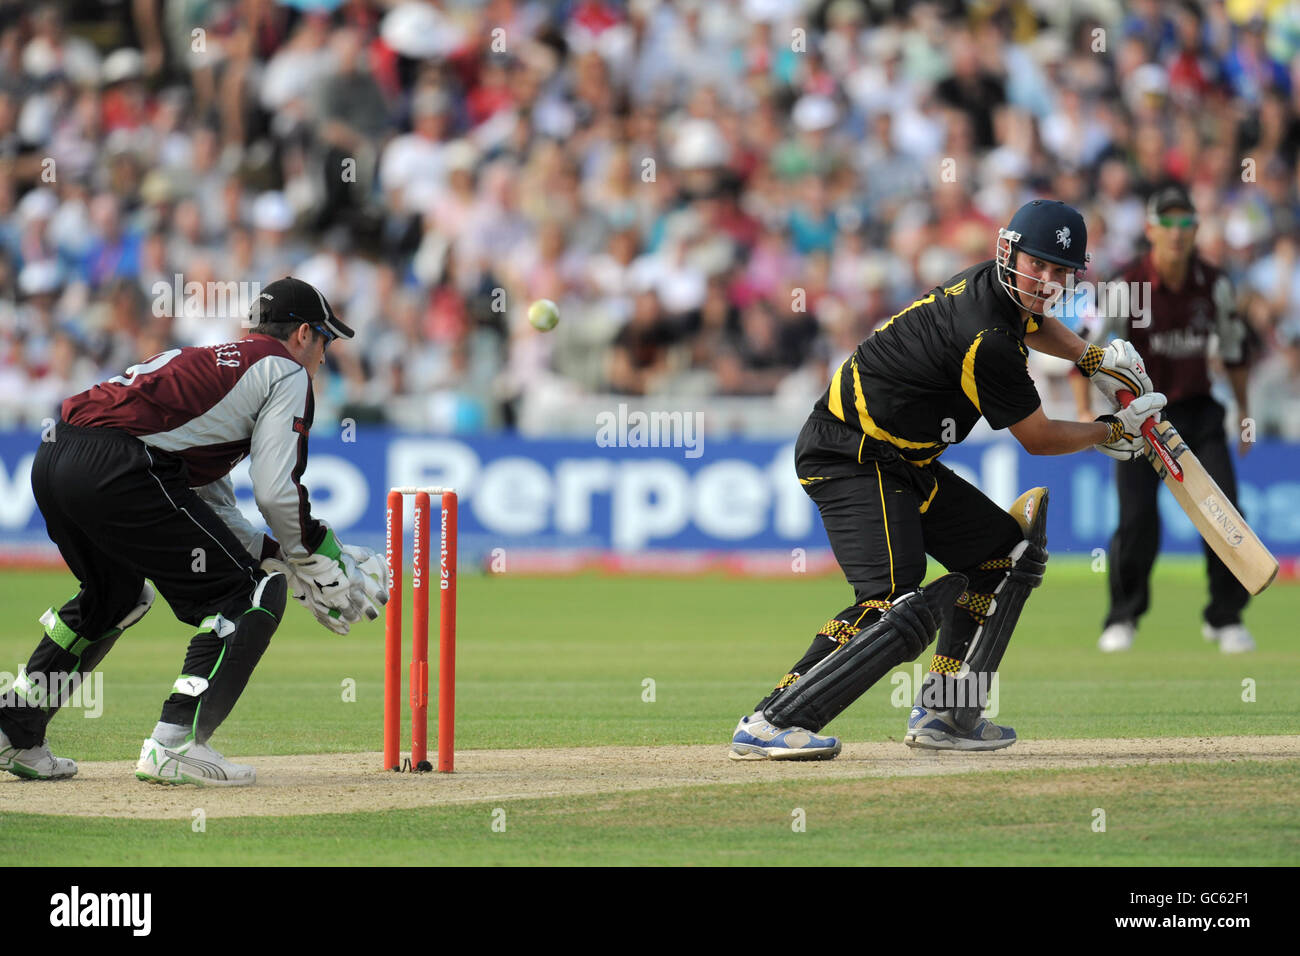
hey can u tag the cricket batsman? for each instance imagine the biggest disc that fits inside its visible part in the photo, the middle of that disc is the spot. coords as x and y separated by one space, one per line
869 457
135 488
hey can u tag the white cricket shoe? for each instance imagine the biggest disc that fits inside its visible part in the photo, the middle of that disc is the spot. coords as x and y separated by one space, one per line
937 730
756 739
191 762
1117 637
34 763
1232 638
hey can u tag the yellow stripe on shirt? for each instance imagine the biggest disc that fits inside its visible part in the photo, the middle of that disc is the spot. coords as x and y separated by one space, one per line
968 374
834 401
868 424
919 302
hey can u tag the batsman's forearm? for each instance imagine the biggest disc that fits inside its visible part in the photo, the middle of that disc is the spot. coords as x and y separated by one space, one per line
1082 390
1068 437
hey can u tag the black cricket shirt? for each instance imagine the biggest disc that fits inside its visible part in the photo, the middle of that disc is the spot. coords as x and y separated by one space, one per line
922 380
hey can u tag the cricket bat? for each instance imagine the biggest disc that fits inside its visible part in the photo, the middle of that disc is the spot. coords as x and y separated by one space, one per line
1219 523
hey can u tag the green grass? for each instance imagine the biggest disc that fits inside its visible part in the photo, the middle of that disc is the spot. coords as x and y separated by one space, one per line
560 662
1156 816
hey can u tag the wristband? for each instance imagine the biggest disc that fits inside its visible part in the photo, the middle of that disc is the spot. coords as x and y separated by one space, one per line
1090 360
329 546
1116 428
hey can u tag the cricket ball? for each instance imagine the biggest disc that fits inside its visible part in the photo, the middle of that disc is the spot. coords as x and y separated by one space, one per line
544 315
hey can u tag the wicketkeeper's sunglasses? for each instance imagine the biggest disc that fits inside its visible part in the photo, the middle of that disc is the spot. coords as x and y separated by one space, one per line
329 336
1177 222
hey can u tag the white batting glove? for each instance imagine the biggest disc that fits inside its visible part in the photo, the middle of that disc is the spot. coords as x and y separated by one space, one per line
1126 441
368 581
1124 449
1116 368
1139 410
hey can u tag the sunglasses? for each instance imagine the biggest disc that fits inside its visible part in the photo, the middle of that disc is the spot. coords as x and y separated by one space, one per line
329 336
1176 222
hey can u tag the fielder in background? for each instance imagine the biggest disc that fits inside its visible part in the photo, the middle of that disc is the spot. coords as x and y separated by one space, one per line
1190 314
868 456
136 485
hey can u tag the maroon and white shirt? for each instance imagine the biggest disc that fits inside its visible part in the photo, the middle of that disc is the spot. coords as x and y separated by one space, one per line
211 407
1182 328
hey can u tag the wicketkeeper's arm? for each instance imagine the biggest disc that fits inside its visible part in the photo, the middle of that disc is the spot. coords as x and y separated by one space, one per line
277 458
220 497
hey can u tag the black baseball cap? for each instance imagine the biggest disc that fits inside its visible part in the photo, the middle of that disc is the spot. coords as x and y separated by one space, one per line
292 300
1170 197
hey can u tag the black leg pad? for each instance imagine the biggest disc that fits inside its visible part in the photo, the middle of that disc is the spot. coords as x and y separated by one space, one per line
902 634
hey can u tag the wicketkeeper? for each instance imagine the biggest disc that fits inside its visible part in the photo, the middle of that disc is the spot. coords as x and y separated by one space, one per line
869 457
135 488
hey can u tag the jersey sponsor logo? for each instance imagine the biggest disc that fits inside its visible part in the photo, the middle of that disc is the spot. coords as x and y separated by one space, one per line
1180 343
300 425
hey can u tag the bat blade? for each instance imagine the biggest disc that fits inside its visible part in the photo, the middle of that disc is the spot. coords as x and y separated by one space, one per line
1220 524
1200 497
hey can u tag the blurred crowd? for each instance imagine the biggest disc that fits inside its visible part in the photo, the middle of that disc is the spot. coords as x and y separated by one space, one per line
723 196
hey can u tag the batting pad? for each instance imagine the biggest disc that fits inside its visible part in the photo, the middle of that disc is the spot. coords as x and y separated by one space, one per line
845 674
1027 558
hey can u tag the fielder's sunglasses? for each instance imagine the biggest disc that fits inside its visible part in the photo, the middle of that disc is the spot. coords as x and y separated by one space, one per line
1177 222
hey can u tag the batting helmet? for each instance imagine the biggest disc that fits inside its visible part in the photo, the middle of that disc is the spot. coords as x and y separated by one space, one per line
1047 229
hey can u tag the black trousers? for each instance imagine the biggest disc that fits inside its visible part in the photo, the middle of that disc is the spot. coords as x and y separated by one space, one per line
883 517
120 513
1136 542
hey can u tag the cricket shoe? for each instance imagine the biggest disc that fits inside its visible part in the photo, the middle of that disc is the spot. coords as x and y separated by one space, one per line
756 739
34 763
190 762
1231 638
1117 637
936 730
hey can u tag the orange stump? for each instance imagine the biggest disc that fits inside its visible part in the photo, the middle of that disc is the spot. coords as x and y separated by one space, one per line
419 670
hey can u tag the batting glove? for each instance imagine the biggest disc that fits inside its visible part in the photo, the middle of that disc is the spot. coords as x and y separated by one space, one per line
1117 367
1125 449
1125 442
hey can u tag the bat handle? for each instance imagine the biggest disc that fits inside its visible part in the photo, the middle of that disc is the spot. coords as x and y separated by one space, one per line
1148 426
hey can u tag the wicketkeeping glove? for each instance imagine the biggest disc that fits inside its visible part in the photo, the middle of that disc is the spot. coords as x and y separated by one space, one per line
368 581
325 574
1117 367
340 622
